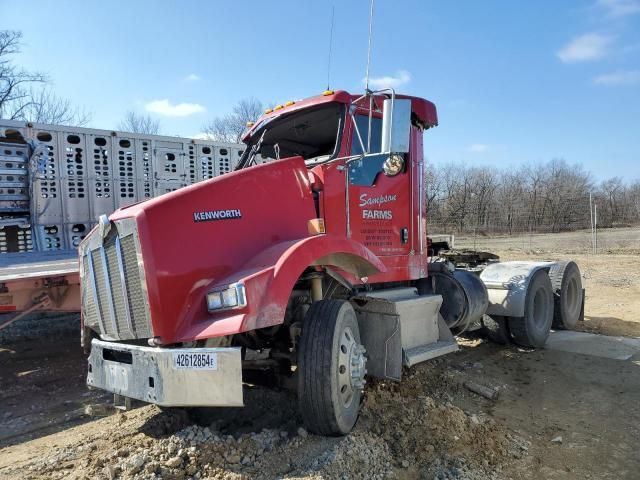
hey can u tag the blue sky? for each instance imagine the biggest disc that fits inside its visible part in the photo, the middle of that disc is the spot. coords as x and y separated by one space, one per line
514 82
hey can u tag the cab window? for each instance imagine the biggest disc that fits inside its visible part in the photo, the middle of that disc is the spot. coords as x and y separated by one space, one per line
365 170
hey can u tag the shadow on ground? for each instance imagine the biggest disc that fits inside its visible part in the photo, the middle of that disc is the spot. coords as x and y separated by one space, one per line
611 326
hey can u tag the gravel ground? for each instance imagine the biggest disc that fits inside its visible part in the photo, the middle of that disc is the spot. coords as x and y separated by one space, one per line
610 241
557 415
405 431
37 326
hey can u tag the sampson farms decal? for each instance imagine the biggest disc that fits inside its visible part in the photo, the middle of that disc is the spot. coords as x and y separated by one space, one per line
368 204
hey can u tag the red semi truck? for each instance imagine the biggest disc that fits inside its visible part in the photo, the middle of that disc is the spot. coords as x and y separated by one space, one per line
315 266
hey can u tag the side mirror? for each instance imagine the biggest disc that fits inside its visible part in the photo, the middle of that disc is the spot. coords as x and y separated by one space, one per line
396 125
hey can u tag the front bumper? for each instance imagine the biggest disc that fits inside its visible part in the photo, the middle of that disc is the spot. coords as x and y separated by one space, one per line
149 374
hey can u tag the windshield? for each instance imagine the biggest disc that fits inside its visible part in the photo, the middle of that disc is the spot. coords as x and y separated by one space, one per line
312 134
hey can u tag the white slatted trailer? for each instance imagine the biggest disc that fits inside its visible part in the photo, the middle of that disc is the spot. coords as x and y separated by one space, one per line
55 182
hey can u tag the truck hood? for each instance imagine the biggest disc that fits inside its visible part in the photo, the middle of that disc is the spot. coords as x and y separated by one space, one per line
196 237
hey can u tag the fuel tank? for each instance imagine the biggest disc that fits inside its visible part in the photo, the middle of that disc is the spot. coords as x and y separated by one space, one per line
464 296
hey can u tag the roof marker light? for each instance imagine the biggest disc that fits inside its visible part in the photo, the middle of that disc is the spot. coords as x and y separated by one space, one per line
326 93
278 107
250 124
268 110
289 103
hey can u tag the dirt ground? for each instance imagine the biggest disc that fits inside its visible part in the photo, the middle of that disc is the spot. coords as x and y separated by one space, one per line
558 415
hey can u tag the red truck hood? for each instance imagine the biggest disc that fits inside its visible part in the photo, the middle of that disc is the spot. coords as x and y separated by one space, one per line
196 237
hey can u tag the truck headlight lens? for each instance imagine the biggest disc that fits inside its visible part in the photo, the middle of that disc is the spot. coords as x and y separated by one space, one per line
393 165
230 297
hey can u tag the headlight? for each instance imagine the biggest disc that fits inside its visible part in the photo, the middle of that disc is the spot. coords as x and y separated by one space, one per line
229 297
393 165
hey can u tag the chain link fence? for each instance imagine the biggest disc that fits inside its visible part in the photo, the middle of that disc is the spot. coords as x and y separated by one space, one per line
575 225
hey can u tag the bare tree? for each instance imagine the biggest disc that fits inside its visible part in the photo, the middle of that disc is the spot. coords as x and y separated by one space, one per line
612 201
137 123
23 94
546 197
433 185
510 196
15 95
46 107
634 200
230 127
484 185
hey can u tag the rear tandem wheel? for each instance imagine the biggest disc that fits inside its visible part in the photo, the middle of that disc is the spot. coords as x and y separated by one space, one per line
532 330
567 293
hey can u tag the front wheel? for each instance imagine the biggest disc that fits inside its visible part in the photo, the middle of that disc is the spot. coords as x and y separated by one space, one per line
331 368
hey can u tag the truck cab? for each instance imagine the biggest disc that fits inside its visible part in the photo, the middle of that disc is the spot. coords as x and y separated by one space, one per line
310 261
375 199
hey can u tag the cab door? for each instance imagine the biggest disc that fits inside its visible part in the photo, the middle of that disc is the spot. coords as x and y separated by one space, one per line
379 206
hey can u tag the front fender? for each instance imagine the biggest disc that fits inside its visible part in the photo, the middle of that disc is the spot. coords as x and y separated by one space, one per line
271 275
350 256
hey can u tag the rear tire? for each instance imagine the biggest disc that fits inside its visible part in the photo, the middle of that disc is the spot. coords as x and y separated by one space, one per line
532 330
331 368
567 293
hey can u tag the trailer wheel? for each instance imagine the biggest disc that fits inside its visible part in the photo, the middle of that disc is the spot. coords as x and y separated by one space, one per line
533 329
331 368
567 293
495 328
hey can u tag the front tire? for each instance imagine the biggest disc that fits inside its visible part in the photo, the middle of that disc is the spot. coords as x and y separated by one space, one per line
331 368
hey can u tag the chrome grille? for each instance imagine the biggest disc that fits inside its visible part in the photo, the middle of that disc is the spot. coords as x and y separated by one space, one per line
113 293
133 282
90 310
121 310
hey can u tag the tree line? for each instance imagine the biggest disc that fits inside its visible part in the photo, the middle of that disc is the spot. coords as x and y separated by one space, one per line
547 197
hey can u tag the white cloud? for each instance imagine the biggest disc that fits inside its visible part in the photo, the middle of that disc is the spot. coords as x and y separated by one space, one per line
401 77
620 8
166 108
631 77
192 77
478 147
585 48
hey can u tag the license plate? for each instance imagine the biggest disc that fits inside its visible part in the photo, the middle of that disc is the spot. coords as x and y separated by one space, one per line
117 377
198 361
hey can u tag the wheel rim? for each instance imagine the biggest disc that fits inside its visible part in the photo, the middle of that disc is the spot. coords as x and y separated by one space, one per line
351 367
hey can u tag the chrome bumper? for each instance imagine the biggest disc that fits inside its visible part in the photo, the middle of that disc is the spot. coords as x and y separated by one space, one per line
149 374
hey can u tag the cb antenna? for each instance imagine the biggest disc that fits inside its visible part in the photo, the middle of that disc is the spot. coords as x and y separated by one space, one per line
333 8
366 84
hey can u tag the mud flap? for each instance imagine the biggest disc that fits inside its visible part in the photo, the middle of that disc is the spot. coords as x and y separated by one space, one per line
380 335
